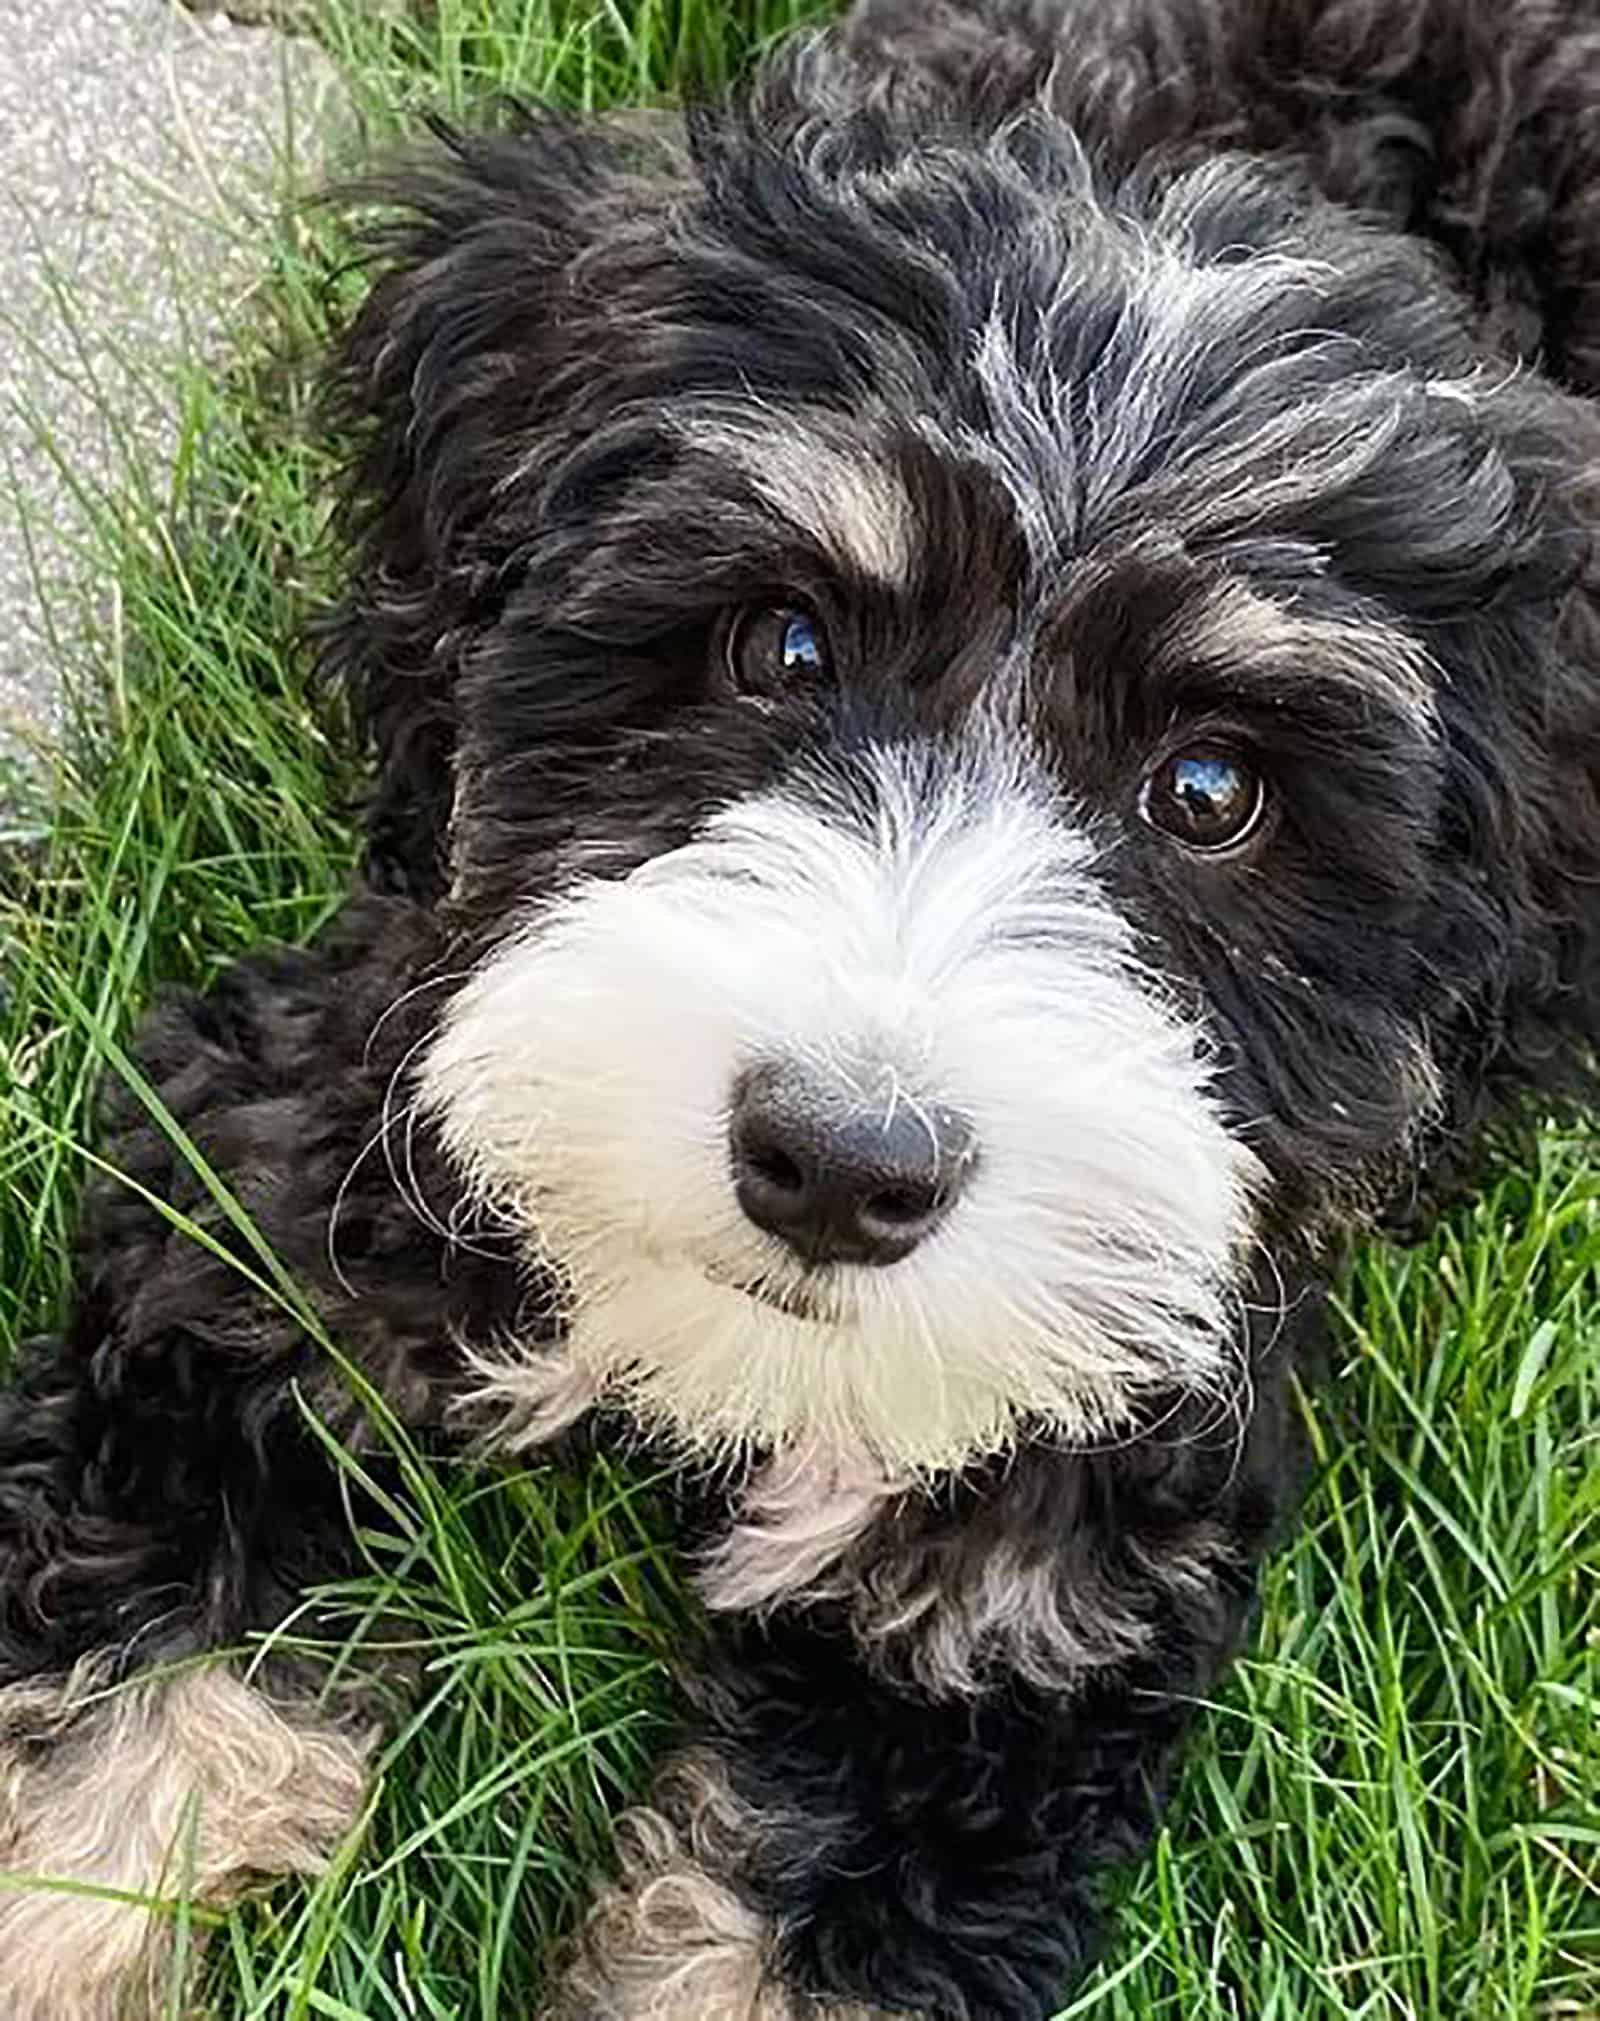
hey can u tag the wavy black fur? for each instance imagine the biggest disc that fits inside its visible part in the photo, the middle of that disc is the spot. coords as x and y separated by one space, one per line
525 644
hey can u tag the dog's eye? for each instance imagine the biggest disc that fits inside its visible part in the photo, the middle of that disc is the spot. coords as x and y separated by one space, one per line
769 650
1207 798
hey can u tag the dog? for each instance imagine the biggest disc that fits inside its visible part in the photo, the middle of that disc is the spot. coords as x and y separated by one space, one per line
983 673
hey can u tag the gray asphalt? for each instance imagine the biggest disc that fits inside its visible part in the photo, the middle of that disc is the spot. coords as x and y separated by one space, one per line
140 146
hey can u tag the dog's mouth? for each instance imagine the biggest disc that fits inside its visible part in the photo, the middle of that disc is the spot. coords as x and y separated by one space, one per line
806 1298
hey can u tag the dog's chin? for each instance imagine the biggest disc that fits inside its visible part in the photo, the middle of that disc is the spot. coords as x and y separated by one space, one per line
735 1365
729 1360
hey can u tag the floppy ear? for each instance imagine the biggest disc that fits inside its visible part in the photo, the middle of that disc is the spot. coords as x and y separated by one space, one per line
1566 1029
464 353
1516 957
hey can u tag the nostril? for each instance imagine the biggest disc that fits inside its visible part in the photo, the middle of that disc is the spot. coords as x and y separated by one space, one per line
771 1163
901 1206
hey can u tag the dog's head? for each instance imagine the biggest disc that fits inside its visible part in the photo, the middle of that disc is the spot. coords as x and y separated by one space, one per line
991 745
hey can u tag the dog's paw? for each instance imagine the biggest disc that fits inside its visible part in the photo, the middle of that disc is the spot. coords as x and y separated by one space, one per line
115 1802
672 1939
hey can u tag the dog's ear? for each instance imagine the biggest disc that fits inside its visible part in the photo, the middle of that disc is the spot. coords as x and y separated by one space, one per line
1556 1018
1515 952
462 355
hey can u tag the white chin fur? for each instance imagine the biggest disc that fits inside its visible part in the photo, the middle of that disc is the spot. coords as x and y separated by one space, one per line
917 925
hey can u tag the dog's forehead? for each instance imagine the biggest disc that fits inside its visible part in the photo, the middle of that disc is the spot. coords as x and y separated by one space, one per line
942 403
916 510
957 338
1058 336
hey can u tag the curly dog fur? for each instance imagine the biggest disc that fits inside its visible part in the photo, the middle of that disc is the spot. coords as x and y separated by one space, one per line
985 691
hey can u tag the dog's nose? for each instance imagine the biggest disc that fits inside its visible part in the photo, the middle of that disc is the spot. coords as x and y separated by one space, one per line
839 1181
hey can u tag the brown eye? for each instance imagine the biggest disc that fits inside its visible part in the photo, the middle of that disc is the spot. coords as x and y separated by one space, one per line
769 650
1208 799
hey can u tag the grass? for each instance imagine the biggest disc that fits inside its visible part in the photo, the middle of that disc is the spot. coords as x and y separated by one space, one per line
1393 1810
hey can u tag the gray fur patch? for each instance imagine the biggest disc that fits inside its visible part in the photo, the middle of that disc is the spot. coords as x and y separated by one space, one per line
953 1611
835 492
1266 647
801 1514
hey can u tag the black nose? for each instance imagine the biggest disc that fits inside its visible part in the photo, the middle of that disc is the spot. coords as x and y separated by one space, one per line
838 1181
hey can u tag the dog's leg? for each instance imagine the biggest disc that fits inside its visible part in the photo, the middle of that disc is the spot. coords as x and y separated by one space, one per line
843 1851
143 1774
185 1785
908 1792
163 1498
855 1855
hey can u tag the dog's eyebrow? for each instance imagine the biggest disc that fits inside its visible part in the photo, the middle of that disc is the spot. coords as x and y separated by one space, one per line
839 496
1261 641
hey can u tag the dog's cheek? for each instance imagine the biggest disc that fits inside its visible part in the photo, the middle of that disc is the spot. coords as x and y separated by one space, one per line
583 1074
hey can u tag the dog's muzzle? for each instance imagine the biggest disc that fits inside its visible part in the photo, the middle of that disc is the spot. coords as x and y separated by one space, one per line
857 1121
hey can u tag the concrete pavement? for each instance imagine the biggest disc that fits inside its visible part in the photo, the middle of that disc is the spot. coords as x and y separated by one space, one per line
139 146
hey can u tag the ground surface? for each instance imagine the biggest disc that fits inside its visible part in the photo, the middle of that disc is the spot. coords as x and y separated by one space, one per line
1393 1812
139 145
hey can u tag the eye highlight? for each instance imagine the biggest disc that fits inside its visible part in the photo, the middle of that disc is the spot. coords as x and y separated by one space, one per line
770 649
1207 797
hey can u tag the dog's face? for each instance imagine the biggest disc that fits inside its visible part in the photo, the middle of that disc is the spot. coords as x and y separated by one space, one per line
979 727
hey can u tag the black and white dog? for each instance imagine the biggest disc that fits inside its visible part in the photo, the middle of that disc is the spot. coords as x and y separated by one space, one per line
986 691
